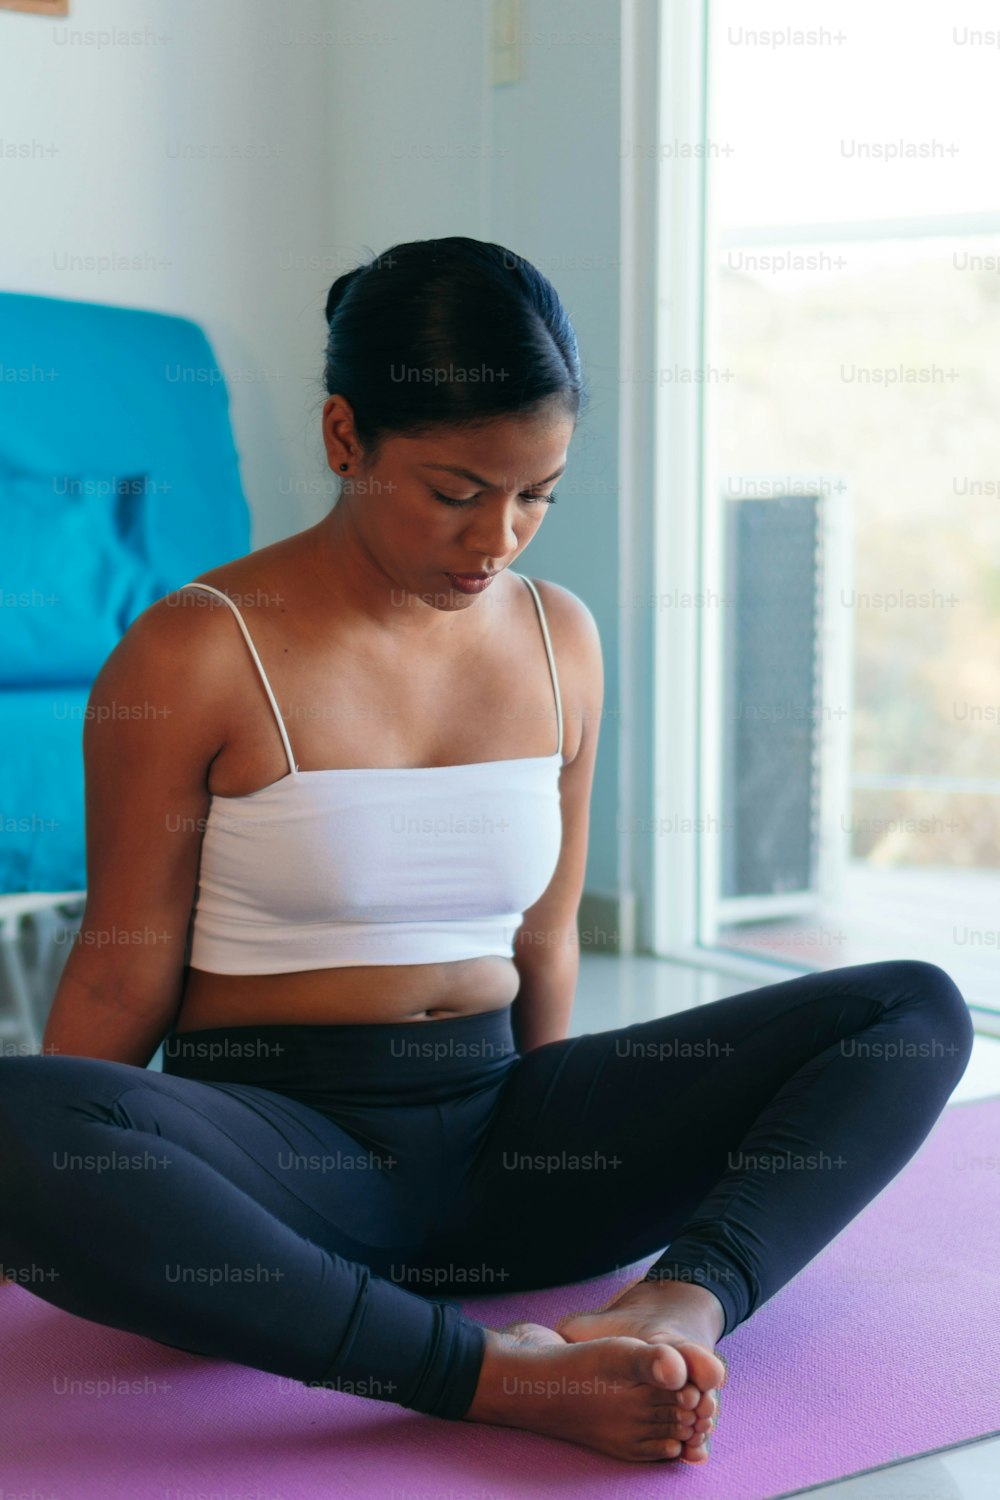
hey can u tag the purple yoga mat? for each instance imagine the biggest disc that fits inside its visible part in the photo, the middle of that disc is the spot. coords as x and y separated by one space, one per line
883 1347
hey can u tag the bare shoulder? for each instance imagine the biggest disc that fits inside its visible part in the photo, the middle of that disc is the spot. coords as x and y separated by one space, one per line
576 645
177 631
255 580
180 650
571 623
190 615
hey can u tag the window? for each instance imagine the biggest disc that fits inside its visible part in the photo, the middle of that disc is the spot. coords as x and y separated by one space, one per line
851 488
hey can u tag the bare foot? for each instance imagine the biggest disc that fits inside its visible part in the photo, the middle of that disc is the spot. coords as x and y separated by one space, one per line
618 1395
684 1316
529 1336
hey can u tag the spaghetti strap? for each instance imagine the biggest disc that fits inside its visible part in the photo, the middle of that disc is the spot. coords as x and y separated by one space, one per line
551 656
260 667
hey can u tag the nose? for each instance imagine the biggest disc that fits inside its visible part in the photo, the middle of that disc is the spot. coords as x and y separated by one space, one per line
493 534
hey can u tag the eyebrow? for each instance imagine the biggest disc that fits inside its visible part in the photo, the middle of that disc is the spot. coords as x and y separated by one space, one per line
475 478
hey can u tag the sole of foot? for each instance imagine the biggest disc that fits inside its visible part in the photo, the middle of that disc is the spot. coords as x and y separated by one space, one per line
621 1396
645 1317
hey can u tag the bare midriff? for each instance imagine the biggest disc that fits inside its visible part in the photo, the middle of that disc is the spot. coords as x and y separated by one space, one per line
347 996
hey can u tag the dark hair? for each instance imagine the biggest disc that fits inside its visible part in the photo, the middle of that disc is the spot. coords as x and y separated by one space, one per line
452 332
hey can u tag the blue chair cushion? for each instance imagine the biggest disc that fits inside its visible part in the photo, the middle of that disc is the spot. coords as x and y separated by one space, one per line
100 391
127 391
73 574
41 819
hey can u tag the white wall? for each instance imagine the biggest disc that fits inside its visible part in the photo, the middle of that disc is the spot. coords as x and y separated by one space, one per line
346 127
191 140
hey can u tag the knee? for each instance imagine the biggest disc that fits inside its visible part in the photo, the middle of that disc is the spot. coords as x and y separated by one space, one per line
933 991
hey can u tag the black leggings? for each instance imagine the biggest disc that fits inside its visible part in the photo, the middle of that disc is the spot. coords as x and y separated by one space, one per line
311 1200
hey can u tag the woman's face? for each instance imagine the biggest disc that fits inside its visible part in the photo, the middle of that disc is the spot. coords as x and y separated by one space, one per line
422 520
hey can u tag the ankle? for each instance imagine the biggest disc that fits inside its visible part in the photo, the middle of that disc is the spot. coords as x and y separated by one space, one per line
695 1308
491 1403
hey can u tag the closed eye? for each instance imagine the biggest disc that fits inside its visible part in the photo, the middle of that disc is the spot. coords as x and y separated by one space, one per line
532 499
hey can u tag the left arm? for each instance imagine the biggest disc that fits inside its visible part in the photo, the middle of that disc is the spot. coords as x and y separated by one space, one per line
547 944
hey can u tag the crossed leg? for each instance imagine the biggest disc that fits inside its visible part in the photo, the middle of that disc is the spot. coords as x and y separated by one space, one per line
744 1134
598 1151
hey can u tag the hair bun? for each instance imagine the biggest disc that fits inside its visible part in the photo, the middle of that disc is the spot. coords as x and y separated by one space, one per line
454 303
336 293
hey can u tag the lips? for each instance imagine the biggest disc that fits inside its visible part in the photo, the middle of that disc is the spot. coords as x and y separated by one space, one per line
471 583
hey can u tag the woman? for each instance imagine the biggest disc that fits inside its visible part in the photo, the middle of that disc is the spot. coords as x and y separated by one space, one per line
350 824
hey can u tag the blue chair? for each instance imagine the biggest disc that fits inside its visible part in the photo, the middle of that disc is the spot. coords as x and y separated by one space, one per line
119 481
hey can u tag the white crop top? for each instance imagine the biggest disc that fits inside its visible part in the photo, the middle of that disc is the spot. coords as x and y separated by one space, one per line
394 865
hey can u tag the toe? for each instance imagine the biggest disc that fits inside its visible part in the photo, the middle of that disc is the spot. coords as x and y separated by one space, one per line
657 1449
705 1369
661 1365
668 1414
660 1425
692 1453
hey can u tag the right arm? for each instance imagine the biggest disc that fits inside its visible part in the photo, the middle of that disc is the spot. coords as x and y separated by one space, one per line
151 731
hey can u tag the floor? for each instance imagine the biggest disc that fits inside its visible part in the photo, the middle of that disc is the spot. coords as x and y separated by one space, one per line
946 916
617 991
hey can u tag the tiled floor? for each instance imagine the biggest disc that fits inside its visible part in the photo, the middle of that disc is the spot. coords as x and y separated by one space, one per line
945 916
619 991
